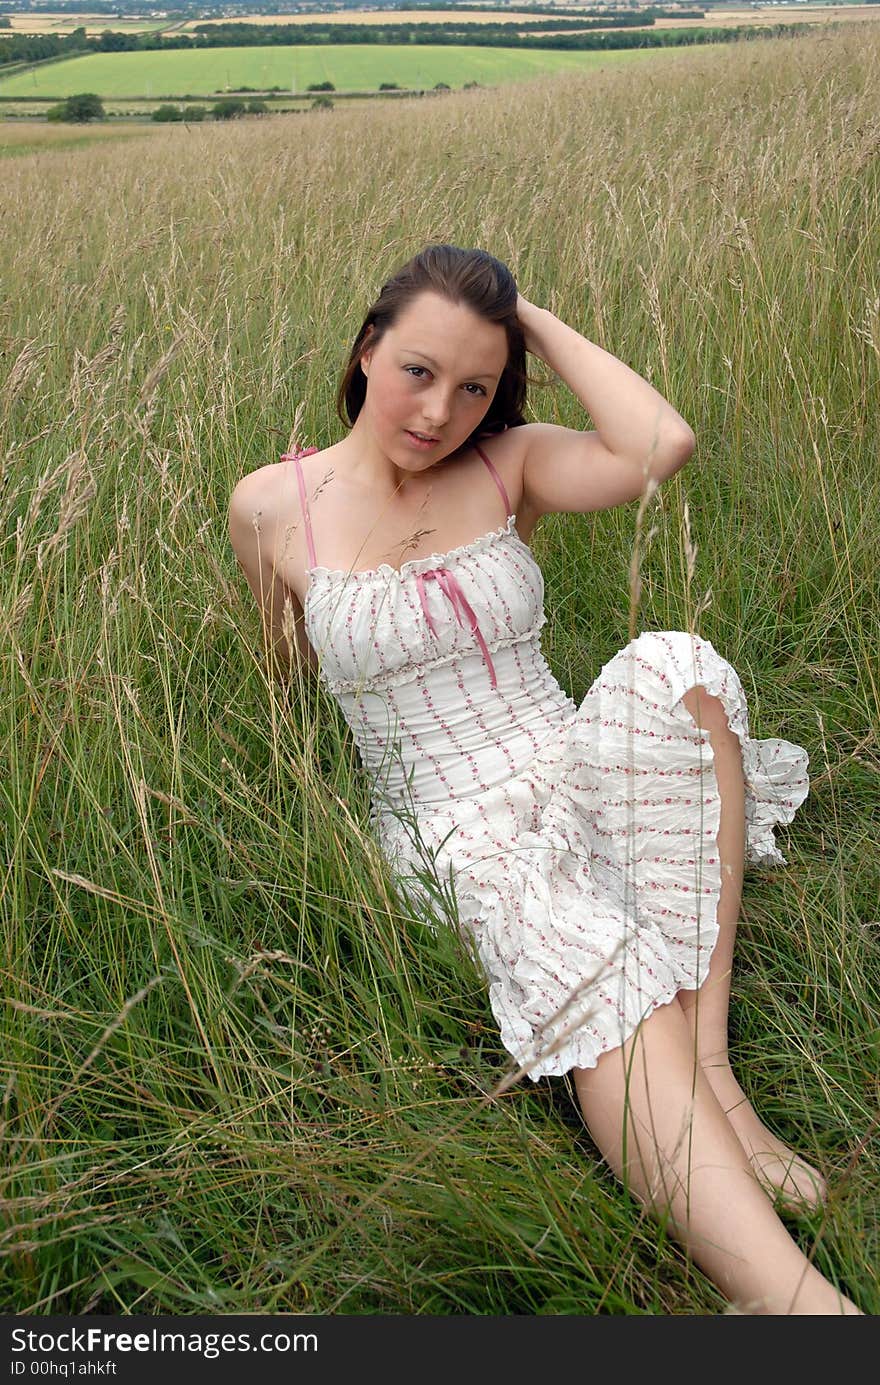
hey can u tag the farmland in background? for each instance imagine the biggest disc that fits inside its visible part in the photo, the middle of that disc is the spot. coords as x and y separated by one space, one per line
353 67
717 18
65 23
720 17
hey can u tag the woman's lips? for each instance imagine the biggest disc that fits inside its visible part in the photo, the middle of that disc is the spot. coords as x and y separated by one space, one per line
421 442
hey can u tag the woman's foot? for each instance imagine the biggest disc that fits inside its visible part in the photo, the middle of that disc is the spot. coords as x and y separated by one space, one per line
788 1178
793 1183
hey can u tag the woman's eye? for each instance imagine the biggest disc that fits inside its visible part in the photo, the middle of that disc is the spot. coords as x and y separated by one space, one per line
412 368
479 388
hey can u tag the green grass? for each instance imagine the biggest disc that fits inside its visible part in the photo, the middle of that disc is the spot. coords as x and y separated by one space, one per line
351 67
32 138
237 1074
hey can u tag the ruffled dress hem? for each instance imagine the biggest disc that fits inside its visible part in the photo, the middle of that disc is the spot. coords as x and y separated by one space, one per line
586 887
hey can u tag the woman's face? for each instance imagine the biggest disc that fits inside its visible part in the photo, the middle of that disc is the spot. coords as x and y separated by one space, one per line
433 373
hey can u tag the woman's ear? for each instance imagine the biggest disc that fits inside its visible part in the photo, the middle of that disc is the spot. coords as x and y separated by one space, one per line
367 352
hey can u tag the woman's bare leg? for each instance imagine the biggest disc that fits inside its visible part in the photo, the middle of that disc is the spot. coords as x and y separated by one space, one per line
775 1165
653 1115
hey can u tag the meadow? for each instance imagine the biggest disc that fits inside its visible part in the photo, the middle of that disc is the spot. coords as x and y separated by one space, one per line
350 67
32 137
237 1074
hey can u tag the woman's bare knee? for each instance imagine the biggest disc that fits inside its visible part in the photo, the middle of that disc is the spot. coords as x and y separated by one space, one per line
708 712
627 1101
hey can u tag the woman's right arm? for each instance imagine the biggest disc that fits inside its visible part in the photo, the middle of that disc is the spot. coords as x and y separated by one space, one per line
254 532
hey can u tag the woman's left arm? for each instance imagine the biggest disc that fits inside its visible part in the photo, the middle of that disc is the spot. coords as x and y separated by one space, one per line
639 440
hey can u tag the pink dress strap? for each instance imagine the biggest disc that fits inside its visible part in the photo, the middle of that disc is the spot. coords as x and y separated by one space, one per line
496 478
303 501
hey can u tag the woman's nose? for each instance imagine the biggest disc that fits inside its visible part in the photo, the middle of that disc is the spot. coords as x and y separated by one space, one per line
437 407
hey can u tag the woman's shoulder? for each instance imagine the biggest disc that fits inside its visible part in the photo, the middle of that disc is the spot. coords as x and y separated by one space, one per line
257 484
259 503
506 451
508 442
270 487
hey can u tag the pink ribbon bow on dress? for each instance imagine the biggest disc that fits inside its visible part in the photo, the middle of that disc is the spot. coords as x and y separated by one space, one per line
298 452
464 612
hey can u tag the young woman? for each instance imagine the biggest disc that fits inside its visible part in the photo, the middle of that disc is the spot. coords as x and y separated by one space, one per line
594 852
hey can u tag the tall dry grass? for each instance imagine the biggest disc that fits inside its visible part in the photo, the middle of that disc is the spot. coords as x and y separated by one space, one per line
236 1075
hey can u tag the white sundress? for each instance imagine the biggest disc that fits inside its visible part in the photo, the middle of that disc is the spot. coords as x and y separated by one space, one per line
574 847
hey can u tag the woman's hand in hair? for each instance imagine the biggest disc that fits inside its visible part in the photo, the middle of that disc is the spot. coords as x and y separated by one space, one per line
638 441
527 313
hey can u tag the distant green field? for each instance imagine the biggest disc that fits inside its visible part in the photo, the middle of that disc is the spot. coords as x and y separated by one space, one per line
350 67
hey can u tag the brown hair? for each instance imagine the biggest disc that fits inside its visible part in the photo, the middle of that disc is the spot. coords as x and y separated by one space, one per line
470 277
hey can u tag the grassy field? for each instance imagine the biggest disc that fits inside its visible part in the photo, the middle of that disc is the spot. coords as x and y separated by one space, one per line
237 1075
351 67
37 138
